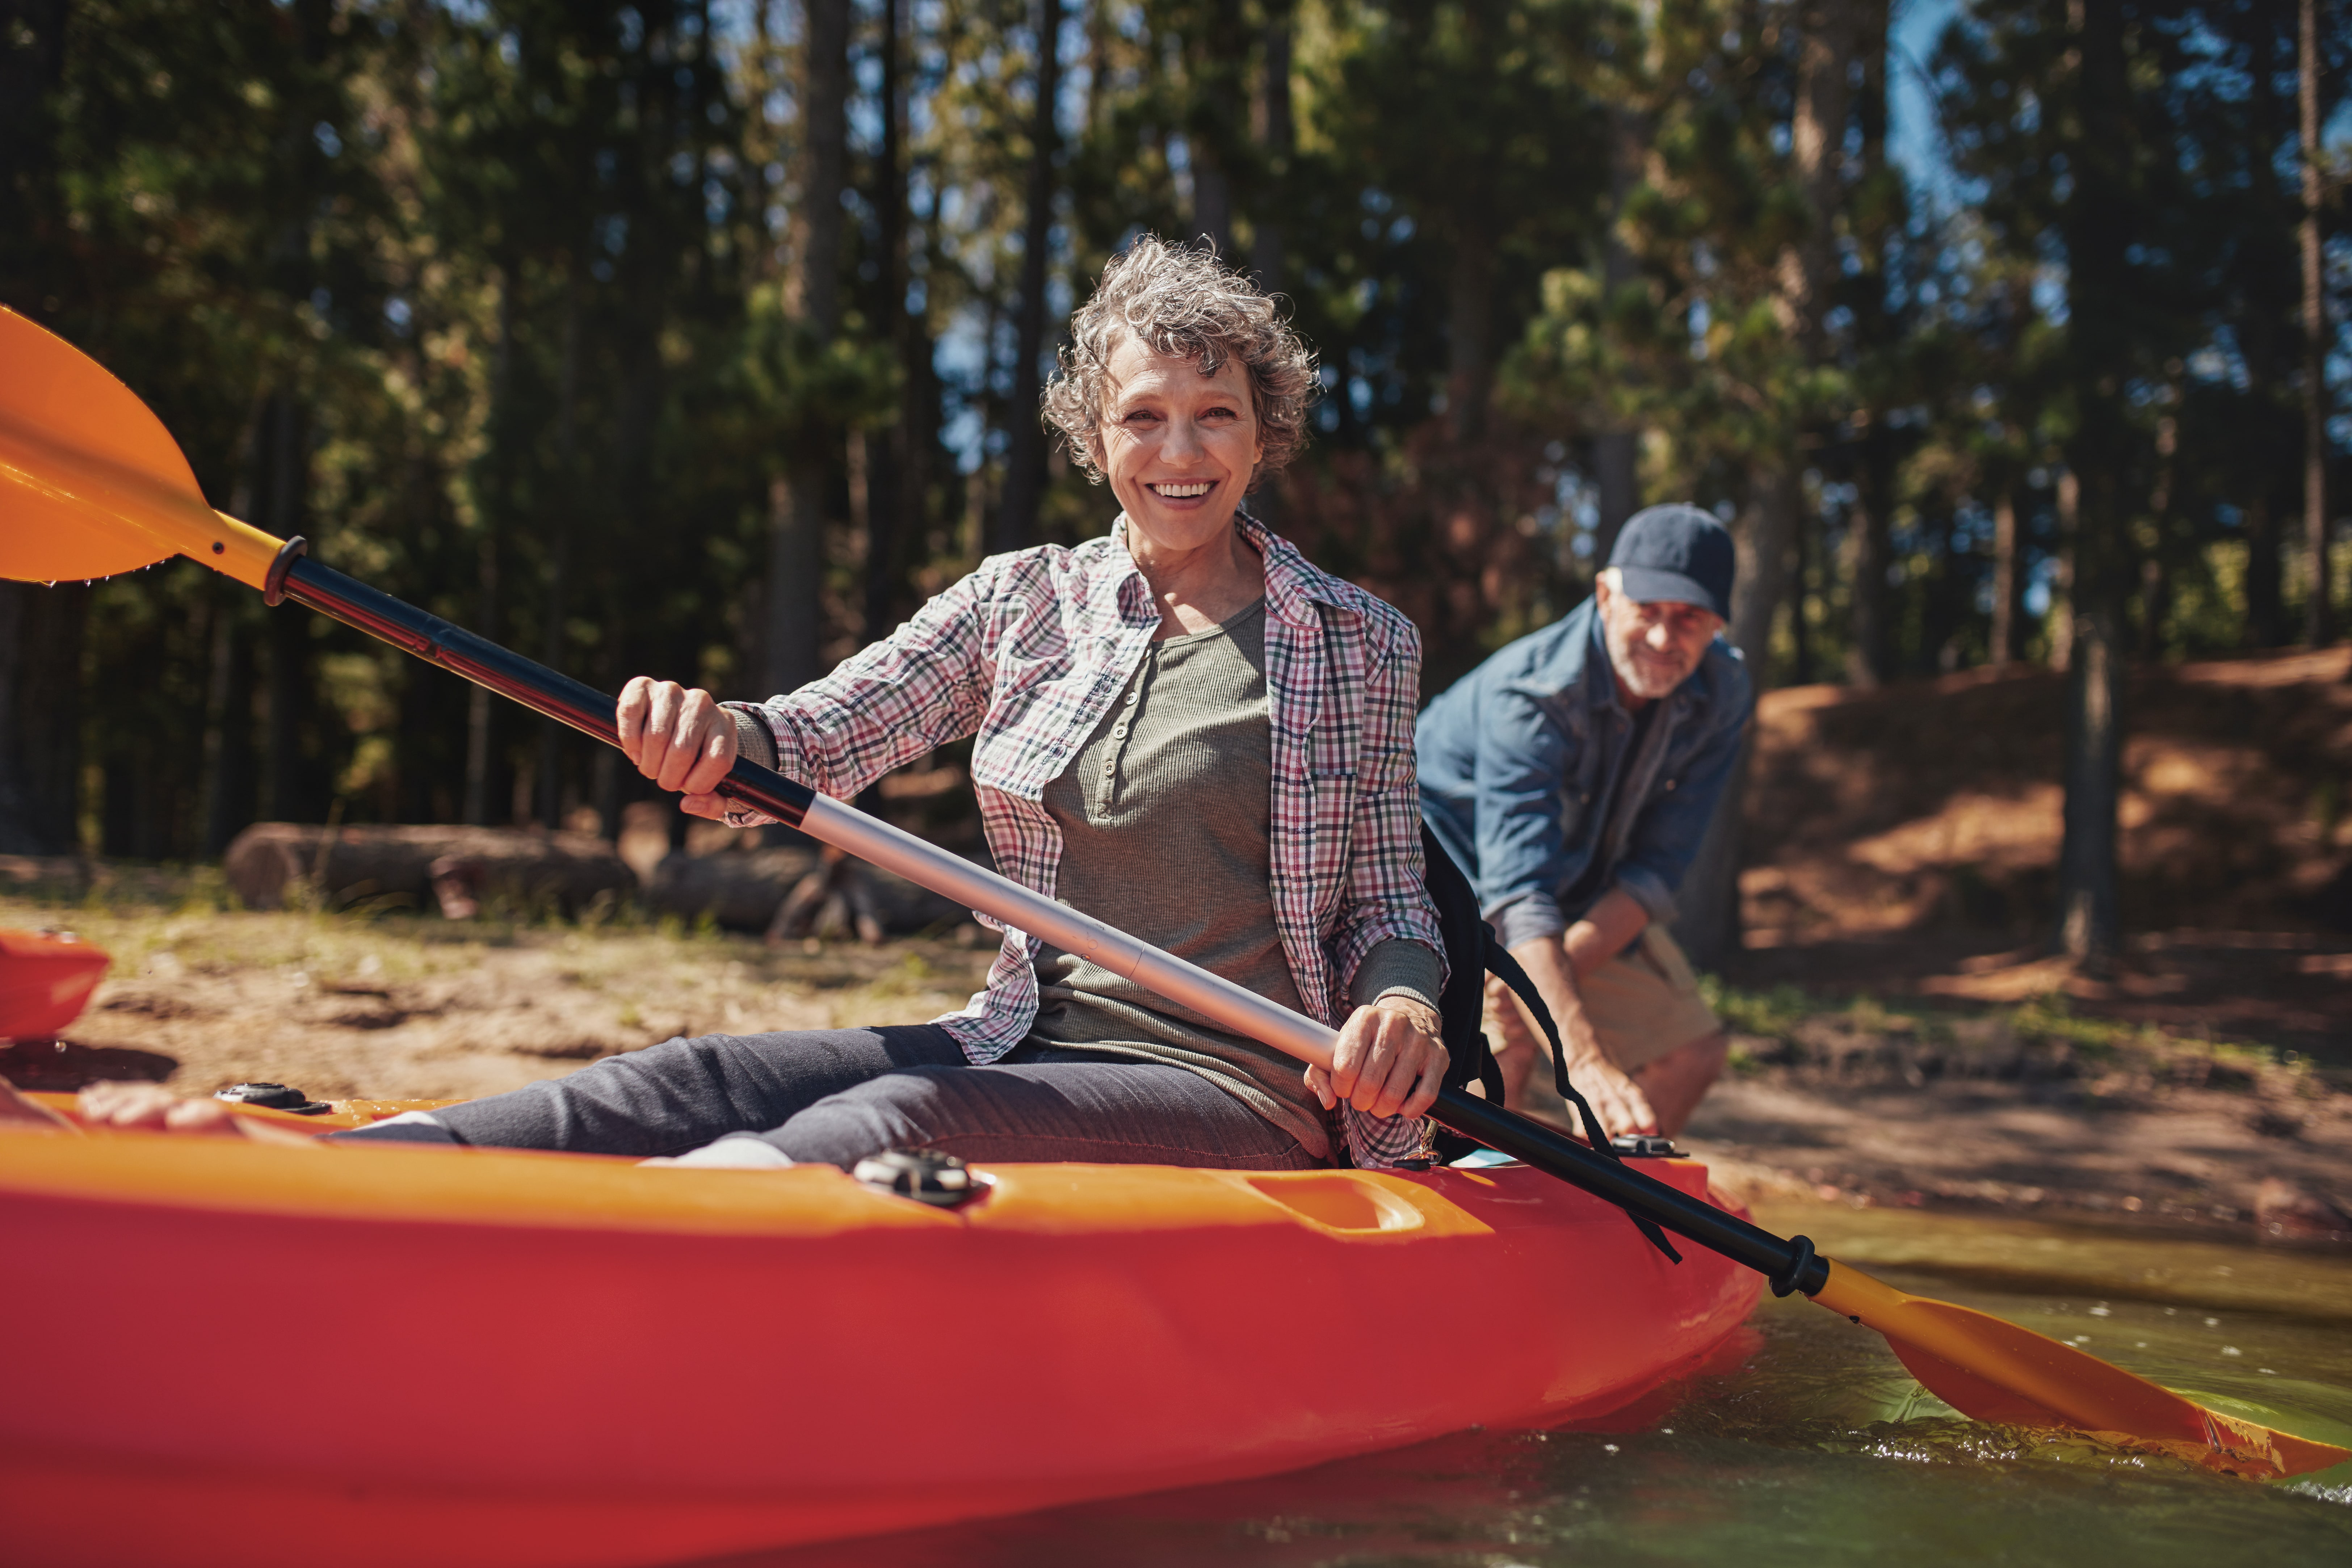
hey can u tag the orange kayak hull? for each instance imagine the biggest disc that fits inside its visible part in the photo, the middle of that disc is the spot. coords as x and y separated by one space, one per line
231 1353
46 980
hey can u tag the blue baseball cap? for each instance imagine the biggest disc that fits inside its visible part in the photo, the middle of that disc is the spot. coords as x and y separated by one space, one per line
1676 552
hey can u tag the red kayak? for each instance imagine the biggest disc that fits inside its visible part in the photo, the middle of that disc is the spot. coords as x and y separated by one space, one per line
245 1355
46 980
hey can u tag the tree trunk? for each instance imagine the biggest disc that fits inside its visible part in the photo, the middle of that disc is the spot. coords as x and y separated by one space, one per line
1470 325
292 779
2265 328
229 773
1213 196
554 641
2156 565
40 628
1816 135
482 763
891 482
1278 140
1616 454
1801 591
2089 926
41 712
2316 629
1710 898
792 625
2266 597
1617 485
1025 457
32 62
2096 227
1215 131
2008 581
1870 657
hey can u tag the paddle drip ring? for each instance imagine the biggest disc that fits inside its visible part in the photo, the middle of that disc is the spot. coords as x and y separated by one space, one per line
1801 1261
273 582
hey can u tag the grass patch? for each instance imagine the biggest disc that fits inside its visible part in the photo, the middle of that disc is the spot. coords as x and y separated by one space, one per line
1771 1027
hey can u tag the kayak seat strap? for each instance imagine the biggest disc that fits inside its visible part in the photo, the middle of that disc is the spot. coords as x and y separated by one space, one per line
1508 970
1472 952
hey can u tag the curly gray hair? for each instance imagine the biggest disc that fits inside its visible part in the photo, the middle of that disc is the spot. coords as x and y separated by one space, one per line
1180 300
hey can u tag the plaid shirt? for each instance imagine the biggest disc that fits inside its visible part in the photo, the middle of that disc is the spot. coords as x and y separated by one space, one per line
1028 652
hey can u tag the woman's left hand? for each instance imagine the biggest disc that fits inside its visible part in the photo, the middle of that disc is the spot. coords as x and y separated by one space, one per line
1389 1061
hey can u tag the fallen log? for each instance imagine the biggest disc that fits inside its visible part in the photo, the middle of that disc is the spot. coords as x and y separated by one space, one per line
458 868
738 889
748 890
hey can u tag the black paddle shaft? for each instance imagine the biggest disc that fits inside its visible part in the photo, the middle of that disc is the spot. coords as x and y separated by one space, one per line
1790 1265
499 669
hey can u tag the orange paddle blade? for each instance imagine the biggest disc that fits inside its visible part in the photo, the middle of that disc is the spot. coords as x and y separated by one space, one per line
1994 1371
90 482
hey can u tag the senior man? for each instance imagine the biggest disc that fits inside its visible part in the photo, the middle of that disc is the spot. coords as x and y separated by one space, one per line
1573 775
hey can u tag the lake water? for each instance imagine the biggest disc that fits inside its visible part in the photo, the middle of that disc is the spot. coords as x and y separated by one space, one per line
1809 1445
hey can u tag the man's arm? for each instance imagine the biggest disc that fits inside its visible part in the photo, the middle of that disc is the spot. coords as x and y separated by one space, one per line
1554 965
1608 929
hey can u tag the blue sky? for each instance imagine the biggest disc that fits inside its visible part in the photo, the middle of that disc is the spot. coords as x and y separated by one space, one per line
1911 130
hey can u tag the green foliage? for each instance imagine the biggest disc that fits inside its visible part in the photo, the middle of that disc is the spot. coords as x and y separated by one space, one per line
497 304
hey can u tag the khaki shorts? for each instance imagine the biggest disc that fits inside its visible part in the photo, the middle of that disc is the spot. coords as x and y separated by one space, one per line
1643 1003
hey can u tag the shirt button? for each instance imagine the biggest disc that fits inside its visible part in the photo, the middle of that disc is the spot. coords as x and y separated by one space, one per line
1119 732
1133 696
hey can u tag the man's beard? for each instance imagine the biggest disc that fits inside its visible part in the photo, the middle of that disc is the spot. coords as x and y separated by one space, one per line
1649 680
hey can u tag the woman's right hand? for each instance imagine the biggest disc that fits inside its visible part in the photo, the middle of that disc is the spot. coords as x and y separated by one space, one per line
681 740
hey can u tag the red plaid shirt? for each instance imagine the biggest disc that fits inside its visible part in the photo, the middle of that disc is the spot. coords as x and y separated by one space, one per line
1028 652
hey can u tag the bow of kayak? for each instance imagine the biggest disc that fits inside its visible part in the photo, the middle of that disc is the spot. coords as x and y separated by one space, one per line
257 1354
46 980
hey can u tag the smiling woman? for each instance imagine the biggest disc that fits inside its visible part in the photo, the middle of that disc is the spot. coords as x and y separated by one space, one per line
1182 727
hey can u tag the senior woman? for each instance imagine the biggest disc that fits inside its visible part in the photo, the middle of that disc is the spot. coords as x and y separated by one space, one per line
1182 728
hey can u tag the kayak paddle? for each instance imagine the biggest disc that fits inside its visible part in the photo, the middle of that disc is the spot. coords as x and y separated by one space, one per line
92 484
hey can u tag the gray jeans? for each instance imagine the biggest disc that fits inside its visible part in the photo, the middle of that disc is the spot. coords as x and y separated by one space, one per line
838 1095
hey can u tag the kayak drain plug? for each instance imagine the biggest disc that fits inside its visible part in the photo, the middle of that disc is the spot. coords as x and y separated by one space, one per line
941 1180
272 1097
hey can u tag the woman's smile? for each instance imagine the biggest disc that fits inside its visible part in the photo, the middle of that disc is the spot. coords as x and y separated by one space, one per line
1179 446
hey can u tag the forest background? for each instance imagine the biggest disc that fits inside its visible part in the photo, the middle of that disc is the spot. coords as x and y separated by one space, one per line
705 339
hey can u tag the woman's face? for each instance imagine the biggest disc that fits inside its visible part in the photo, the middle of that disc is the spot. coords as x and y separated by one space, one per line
1179 446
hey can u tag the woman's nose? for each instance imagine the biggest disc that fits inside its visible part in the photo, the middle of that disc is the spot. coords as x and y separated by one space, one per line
1184 440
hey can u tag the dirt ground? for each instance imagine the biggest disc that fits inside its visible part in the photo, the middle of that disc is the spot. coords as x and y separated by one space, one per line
1903 842
2032 1107
417 1008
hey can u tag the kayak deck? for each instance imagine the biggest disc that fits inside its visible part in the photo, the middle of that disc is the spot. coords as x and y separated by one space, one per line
239 1352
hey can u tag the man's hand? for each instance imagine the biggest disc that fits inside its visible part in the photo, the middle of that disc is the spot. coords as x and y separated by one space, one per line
1617 1100
1389 1061
681 740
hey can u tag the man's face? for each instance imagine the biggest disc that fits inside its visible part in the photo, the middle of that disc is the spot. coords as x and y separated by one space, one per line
1653 647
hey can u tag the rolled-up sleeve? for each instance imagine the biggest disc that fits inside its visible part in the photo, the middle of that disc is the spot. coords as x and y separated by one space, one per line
891 703
1386 899
1522 767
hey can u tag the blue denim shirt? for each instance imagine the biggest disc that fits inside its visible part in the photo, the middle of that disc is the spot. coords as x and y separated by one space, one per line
1545 790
